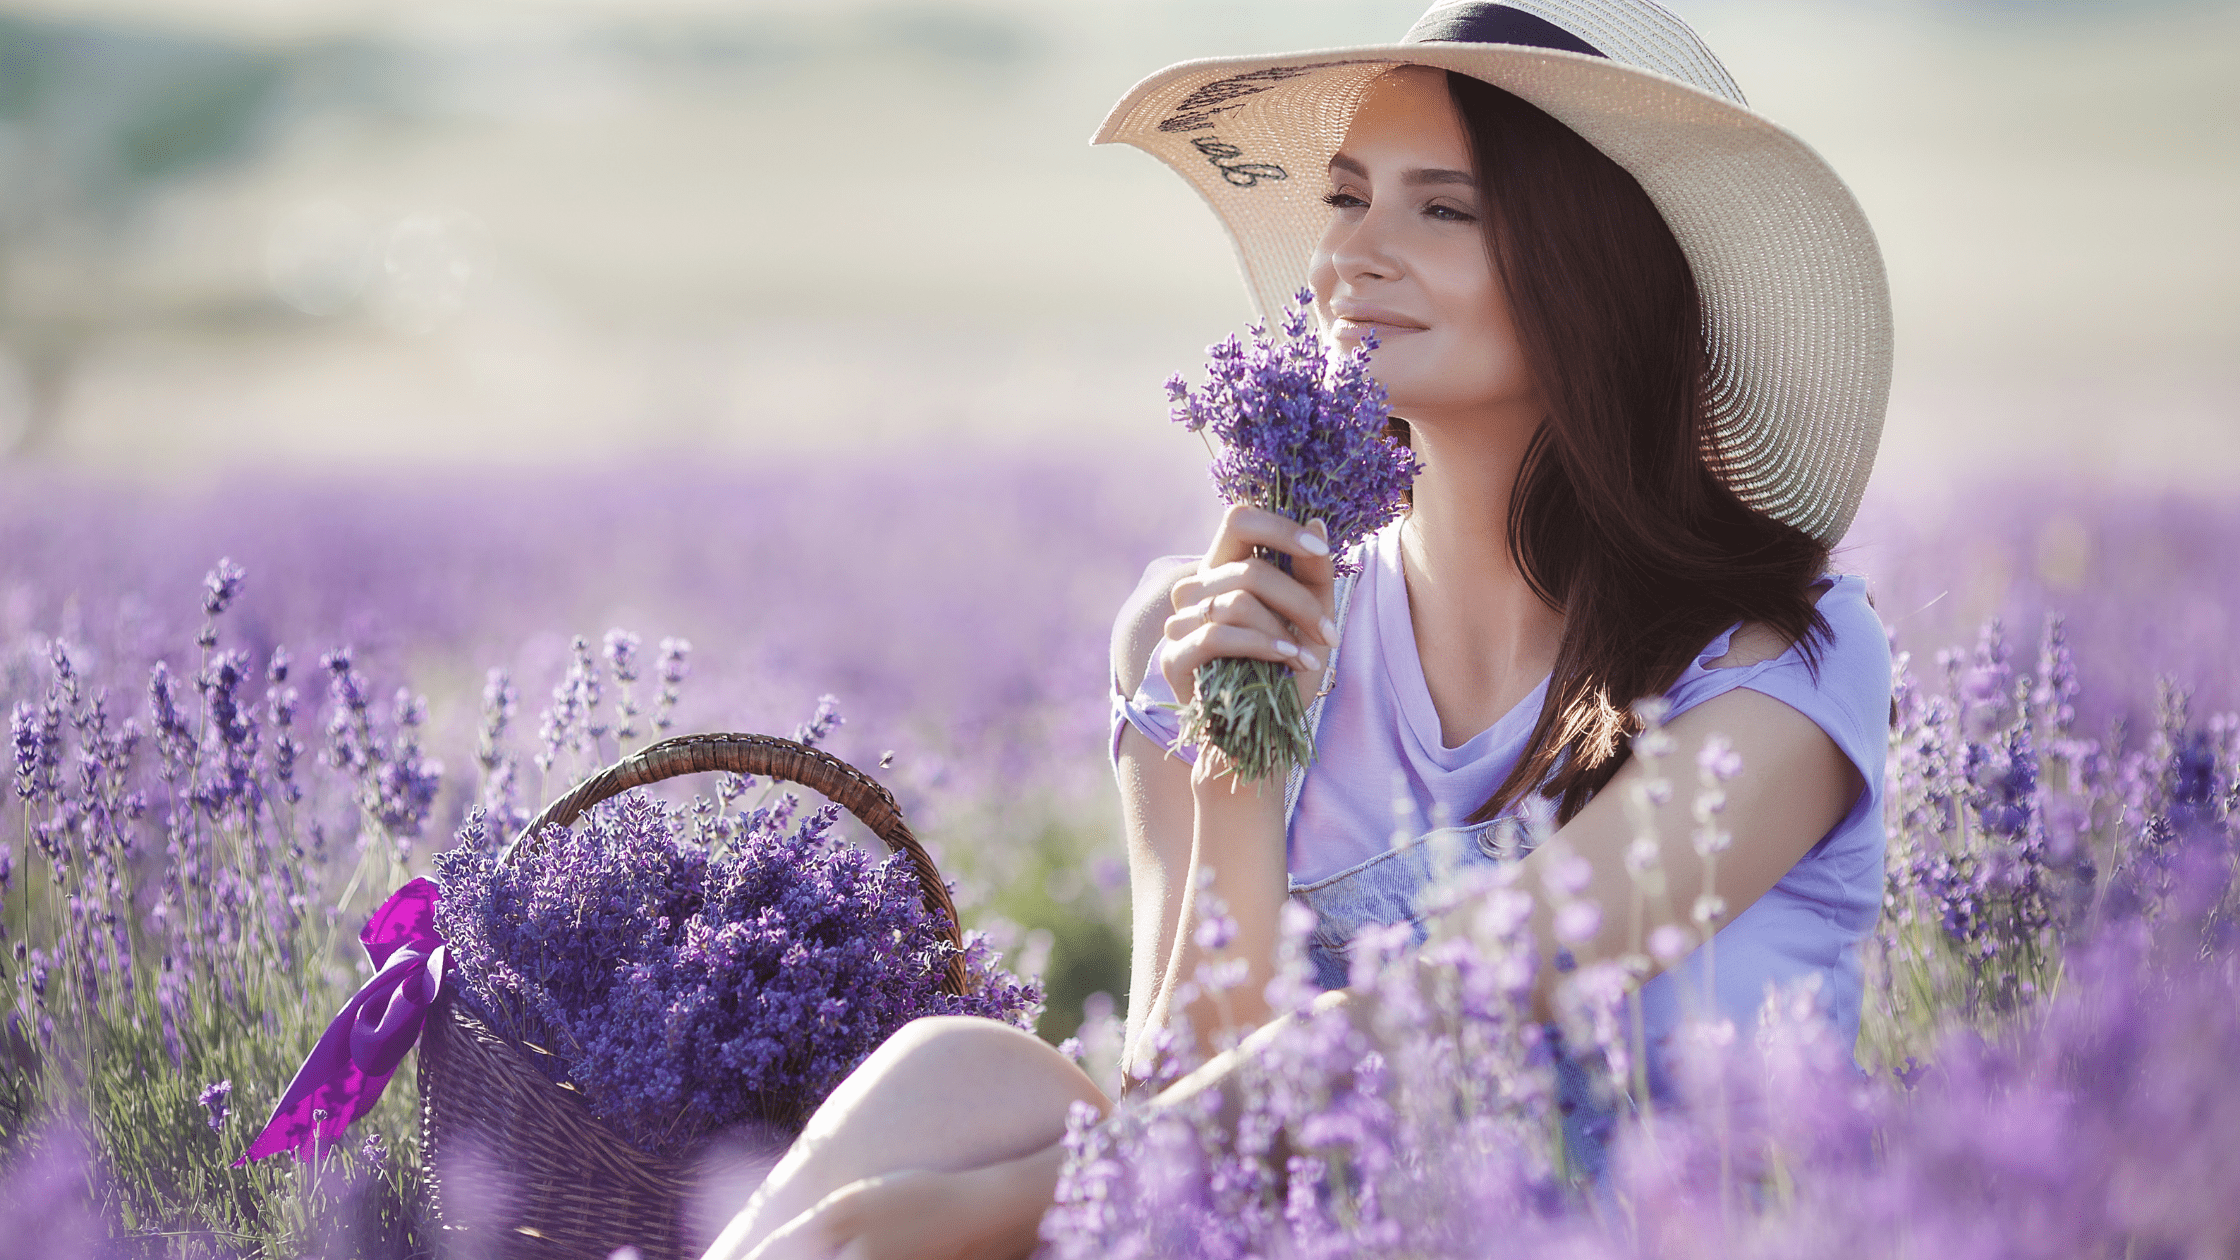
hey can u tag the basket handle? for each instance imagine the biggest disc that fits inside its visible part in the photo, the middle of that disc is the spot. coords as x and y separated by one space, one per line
775 758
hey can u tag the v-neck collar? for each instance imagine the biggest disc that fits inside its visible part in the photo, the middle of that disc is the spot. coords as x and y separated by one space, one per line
1404 668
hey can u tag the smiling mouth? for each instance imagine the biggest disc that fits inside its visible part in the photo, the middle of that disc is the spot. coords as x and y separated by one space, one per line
1343 327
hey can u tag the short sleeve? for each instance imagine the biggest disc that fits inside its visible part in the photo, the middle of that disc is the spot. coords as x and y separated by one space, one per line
1152 708
1848 697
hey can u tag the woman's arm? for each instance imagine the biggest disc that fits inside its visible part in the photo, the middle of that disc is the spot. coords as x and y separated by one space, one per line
1155 809
1795 786
1184 820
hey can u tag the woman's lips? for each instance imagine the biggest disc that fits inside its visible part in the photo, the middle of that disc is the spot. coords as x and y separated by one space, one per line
1352 318
1351 328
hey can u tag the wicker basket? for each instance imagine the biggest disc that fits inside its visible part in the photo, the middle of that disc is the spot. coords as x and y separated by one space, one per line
521 1161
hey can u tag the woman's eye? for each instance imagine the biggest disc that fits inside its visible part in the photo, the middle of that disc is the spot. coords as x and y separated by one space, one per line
1450 214
1342 201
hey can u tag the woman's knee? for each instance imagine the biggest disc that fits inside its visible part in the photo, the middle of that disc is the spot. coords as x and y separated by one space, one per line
966 1059
951 1040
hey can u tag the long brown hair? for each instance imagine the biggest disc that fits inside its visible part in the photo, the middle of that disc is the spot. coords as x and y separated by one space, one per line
1619 519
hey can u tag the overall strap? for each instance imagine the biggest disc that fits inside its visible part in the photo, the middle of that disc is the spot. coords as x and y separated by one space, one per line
1297 779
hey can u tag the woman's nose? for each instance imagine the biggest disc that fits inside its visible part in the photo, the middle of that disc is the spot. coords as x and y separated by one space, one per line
1362 249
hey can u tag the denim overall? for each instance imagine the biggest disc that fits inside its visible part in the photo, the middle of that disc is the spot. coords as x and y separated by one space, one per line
1384 890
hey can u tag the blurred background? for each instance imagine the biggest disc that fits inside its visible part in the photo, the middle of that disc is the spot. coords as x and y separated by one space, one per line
318 232
815 331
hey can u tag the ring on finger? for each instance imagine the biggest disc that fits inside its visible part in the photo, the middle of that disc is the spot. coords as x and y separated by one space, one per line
1206 609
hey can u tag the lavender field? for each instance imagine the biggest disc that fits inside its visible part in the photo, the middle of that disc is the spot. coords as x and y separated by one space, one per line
210 798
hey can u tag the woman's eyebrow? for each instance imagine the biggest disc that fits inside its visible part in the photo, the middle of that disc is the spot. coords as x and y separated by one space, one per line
1417 178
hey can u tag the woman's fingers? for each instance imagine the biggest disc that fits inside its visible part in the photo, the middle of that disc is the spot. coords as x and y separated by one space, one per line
1317 572
1243 528
1242 612
1212 640
1238 605
1286 598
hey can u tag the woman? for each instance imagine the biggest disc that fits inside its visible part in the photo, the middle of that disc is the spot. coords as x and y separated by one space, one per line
1638 337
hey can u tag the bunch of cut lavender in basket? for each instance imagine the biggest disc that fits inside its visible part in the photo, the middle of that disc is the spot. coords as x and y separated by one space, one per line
1304 436
685 988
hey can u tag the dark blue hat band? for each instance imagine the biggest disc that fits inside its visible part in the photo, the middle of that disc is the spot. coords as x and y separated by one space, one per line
1483 22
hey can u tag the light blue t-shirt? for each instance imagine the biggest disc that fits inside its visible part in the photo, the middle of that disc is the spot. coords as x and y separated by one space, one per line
1382 775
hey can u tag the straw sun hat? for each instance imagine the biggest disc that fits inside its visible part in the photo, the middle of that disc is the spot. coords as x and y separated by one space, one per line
1798 311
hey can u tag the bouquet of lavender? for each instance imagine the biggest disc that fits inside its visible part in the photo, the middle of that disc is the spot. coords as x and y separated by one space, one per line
1305 437
691 971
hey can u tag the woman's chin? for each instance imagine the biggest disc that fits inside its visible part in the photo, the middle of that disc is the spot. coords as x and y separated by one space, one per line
1403 389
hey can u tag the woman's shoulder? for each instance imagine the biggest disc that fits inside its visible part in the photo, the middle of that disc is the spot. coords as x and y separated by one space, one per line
1854 629
1847 669
1857 641
1143 618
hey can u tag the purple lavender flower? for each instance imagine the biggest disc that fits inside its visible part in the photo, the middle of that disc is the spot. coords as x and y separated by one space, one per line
2053 700
175 735
1305 437
36 731
220 587
380 752
684 989
821 723
405 786
215 1099
621 649
501 788
1299 434
2087 1117
171 1006
672 667
284 750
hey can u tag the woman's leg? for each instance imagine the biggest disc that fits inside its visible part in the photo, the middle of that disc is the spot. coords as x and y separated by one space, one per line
943 1094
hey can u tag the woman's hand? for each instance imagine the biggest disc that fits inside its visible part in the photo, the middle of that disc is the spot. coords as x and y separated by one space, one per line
1238 605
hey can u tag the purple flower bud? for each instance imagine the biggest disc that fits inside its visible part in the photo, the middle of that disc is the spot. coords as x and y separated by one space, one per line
220 587
1216 931
1670 943
1567 874
215 1099
1717 761
621 650
1577 922
820 723
1709 909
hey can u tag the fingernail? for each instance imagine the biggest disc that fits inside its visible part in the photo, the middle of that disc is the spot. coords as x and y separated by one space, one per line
1312 545
1286 649
1310 660
1329 630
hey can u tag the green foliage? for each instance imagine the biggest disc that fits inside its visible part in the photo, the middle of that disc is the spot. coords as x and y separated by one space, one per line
118 111
248 1014
1039 868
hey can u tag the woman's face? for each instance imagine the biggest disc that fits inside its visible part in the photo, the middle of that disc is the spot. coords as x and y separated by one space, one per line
1404 254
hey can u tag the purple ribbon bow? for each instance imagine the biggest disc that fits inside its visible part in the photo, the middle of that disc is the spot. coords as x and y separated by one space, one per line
352 1063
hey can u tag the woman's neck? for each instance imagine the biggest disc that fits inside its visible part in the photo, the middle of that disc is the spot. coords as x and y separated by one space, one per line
1484 638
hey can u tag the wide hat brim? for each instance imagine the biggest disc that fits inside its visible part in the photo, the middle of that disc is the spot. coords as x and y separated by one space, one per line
1796 302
